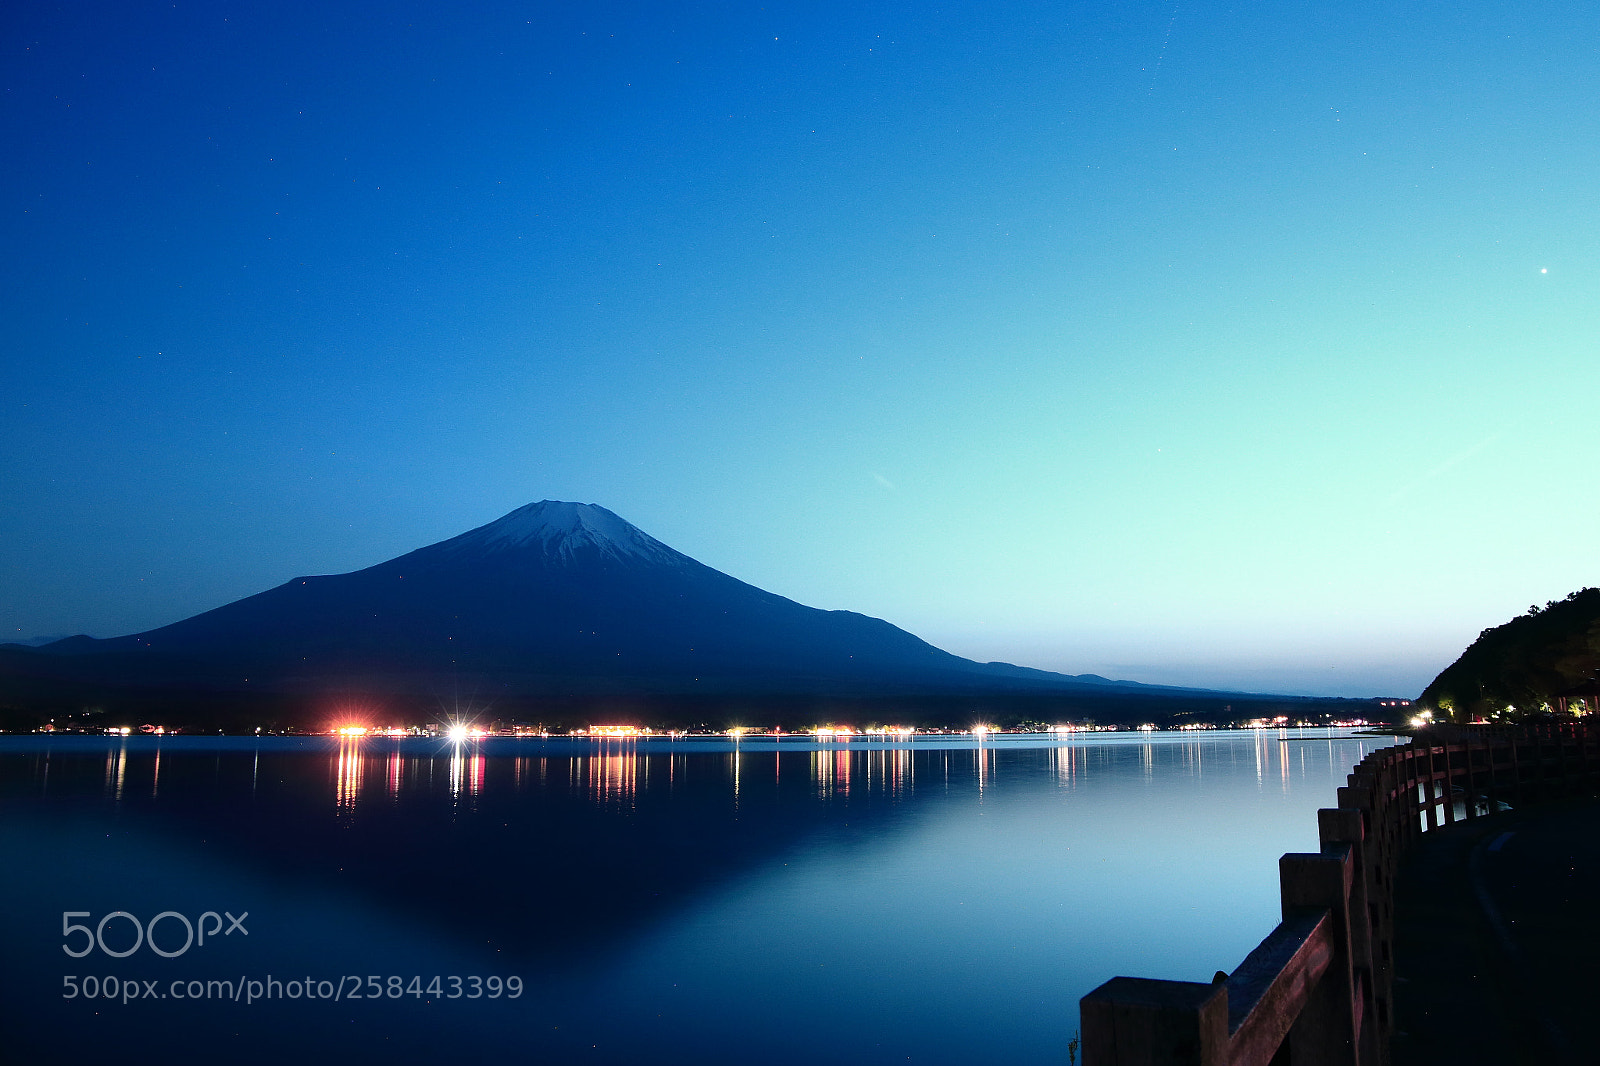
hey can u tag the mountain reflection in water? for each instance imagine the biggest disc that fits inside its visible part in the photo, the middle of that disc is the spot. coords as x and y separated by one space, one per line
944 899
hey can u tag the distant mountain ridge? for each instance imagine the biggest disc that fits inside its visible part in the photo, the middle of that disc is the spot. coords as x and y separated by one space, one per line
554 598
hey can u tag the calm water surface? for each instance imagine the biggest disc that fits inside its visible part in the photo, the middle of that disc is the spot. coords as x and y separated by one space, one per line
937 901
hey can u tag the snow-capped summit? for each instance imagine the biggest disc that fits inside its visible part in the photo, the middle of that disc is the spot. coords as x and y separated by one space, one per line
562 531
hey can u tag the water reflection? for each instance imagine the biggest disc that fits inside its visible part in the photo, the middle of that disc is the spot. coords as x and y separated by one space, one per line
684 880
985 765
894 771
612 776
394 774
347 775
116 770
1065 762
466 770
618 773
1273 755
830 772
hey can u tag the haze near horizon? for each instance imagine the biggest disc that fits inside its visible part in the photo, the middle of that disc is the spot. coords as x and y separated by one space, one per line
1244 348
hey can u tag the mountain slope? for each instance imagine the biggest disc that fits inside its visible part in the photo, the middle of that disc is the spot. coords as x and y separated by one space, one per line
553 598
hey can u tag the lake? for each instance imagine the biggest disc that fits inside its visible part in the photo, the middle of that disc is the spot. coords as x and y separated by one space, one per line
935 900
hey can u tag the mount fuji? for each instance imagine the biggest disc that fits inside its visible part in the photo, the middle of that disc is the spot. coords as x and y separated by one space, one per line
553 599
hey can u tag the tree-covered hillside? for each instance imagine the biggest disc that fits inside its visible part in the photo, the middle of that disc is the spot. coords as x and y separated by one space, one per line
1520 668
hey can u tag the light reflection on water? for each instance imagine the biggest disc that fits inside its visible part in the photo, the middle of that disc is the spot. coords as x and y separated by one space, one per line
613 771
116 769
951 898
348 774
611 776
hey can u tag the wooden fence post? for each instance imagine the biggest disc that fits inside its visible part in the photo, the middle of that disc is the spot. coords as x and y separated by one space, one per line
1347 827
1564 739
1326 1032
1414 793
1418 796
1491 785
1406 795
1449 787
1429 798
1130 1021
1589 754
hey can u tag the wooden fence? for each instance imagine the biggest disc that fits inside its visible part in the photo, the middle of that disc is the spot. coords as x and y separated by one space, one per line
1318 991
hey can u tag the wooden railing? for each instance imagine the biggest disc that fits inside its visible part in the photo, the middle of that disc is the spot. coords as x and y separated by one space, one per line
1319 989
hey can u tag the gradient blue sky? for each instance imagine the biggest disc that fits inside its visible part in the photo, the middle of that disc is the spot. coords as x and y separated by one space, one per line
1224 344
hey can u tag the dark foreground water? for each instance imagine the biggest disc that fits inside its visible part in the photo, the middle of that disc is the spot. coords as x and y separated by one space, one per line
553 901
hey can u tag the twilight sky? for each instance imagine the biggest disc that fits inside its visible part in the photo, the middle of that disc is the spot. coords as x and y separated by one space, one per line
1247 345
